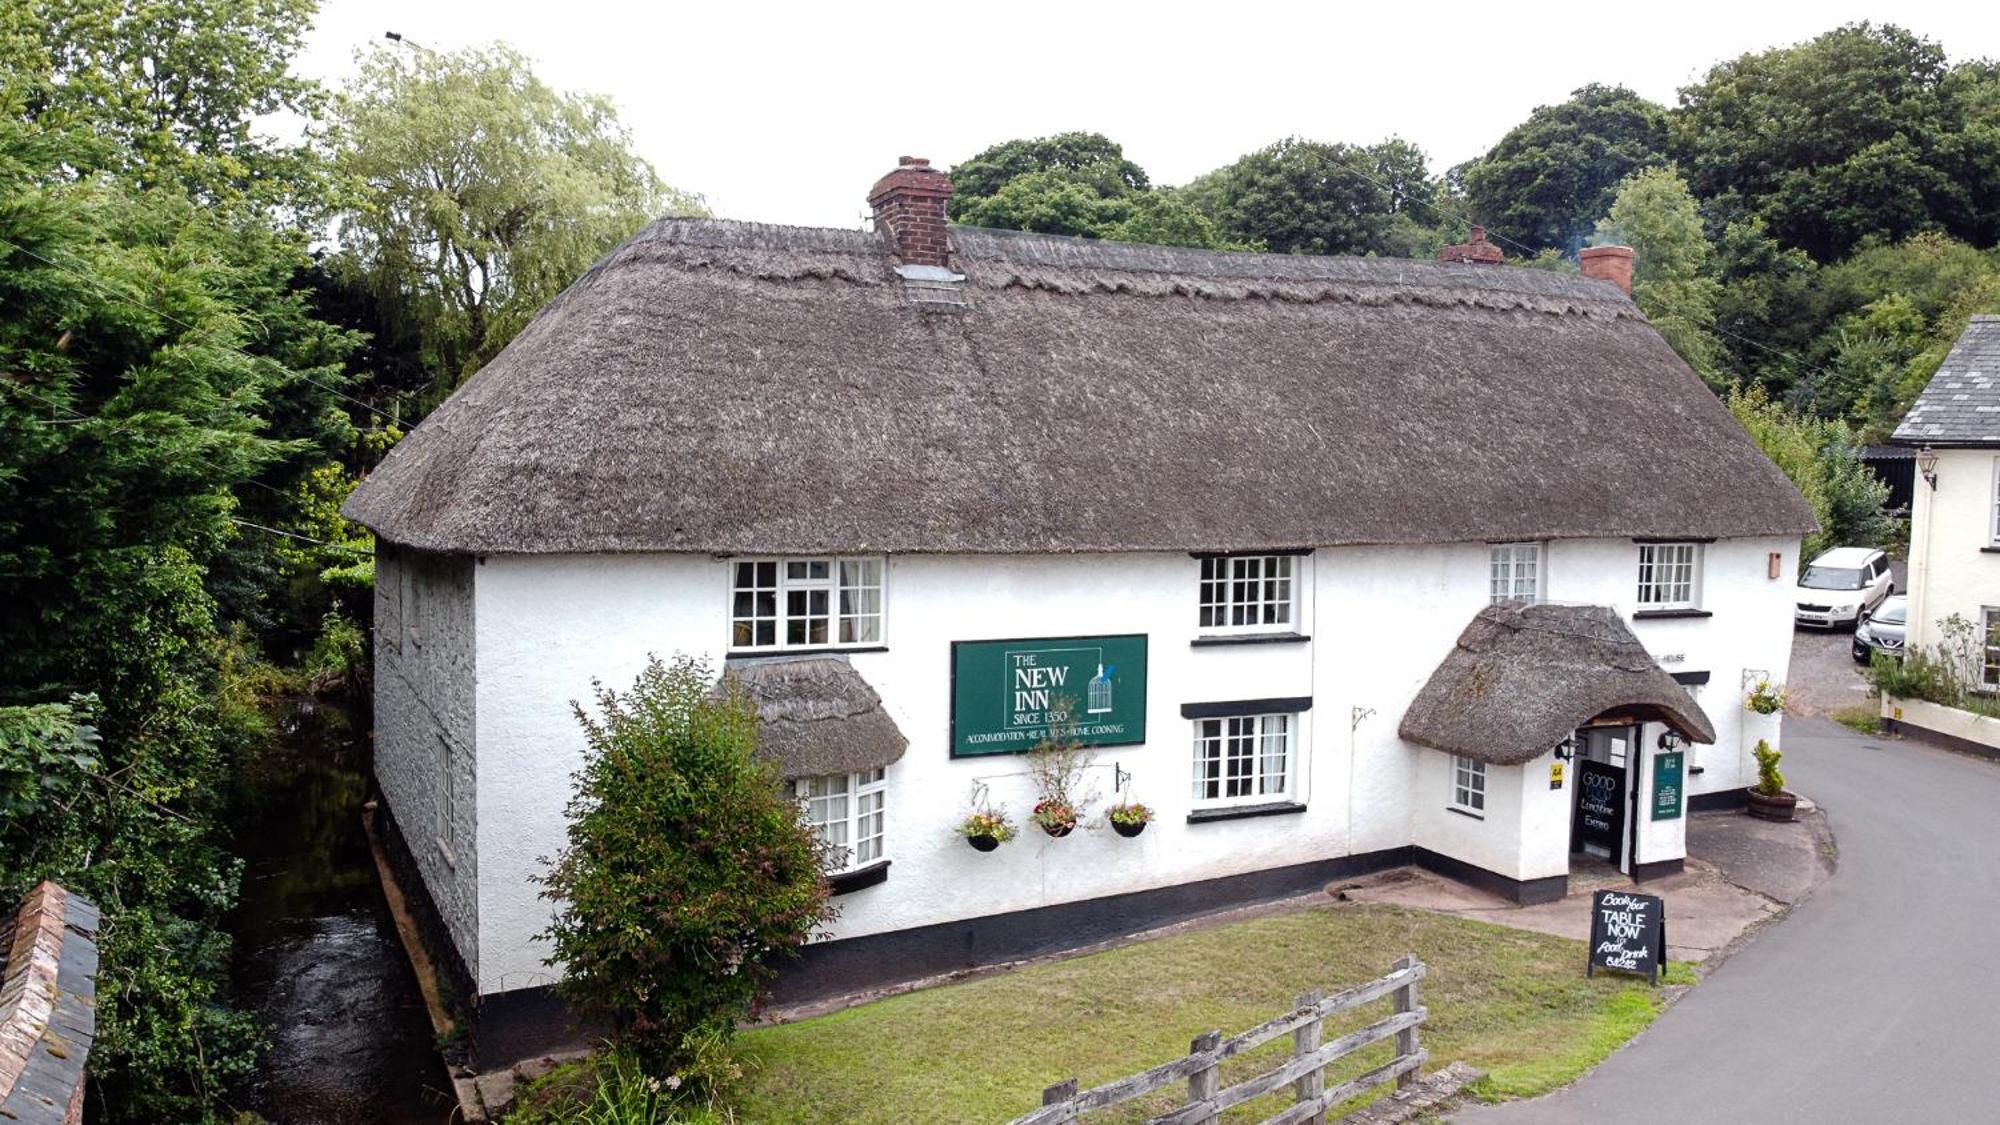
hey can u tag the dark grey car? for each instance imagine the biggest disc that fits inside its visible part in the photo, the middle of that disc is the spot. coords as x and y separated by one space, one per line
1882 631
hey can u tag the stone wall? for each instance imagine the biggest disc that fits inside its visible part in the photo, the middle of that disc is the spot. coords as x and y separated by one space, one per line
48 1008
425 727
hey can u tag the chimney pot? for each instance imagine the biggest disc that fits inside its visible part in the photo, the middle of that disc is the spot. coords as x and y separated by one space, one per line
1608 263
1478 251
909 206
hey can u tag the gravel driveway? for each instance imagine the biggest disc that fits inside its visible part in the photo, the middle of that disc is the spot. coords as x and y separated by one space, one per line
1824 676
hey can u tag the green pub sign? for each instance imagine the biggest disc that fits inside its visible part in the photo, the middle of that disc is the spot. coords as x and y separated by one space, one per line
1667 771
1006 696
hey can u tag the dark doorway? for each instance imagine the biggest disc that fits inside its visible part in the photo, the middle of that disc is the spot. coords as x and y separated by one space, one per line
1597 824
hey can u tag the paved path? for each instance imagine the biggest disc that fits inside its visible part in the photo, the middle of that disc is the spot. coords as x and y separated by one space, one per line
1877 1000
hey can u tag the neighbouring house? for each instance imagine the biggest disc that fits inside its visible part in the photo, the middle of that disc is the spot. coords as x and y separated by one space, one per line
1954 566
1339 563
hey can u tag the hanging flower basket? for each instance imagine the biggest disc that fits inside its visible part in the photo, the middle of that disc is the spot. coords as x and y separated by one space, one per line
1766 698
1128 820
1057 818
986 829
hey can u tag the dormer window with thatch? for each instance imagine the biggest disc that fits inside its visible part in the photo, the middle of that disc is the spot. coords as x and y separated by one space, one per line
805 603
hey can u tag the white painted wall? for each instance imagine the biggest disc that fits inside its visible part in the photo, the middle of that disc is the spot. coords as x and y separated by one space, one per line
1381 617
1949 573
425 724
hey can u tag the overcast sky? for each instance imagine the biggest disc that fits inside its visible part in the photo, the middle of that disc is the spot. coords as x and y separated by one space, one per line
788 114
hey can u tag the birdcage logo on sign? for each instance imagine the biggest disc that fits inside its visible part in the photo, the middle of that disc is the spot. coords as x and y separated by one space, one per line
1100 690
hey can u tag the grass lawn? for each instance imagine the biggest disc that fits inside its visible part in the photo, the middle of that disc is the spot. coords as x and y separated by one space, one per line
1514 1004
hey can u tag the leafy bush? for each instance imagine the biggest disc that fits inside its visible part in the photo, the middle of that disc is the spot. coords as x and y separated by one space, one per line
1949 673
987 822
1770 781
686 869
614 1088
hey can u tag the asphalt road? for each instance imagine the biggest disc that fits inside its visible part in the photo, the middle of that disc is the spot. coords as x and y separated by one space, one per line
1877 1000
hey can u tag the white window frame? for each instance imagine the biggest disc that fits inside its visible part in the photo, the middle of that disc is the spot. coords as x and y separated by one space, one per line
1649 580
1503 572
1245 732
1219 611
862 816
791 575
1468 785
1989 648
1993 510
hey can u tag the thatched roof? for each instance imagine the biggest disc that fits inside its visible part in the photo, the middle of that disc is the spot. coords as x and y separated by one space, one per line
818 715
734 388
1523 677
1961 403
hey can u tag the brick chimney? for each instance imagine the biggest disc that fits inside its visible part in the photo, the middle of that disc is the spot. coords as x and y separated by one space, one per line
1477 252
909 204
1608 263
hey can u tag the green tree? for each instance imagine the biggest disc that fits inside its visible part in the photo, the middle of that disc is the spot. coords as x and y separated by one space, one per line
1553 175
129 419
473 194
1823 459
1863 132
679 839
1090 162
168 91
1305 197
1655 215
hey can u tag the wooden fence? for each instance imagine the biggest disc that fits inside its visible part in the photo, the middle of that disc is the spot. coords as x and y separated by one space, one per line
1304 1071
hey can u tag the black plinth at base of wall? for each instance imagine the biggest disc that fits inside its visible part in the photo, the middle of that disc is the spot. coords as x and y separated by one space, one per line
1722 800
1526 892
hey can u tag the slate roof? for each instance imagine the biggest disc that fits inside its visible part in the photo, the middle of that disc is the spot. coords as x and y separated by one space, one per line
732 387
1522 677
1961 403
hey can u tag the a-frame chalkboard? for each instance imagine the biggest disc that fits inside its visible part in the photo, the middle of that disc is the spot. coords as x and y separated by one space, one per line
1628 933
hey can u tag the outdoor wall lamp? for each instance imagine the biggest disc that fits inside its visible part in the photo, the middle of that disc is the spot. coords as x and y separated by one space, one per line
1671 740
1927 465
1566 749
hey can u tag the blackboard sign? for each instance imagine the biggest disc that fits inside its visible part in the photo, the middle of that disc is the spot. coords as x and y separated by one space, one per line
1006 696
1667 771
1600 808
1628 932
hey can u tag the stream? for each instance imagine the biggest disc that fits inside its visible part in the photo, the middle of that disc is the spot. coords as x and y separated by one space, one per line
318 954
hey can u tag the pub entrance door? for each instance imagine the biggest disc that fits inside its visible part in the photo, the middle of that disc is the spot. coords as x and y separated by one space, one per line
1606 763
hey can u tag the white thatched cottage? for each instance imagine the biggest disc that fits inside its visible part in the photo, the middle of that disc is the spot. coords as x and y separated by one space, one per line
1358 562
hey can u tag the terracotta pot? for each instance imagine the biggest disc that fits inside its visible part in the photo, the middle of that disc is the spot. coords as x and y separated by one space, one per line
1780 807
983 843
1128 830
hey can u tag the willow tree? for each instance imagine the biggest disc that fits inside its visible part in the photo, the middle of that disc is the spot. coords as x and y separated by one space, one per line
471 193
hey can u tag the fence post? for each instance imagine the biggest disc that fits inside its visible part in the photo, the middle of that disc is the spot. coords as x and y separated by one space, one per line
1060 1094
1406 1039
1305 1041
1203 1083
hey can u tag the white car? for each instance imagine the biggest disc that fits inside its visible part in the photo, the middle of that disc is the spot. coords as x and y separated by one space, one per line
1841 585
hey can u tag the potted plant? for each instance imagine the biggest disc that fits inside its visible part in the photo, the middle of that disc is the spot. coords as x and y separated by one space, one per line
1129 819
986 829
1768 799
1766 698
1057 817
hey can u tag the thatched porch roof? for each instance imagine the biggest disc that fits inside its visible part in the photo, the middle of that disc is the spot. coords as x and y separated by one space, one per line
1523 677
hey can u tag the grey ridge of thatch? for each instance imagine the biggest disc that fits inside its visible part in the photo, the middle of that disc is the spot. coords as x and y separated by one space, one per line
818 715
737 388
1961 403
1523 677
